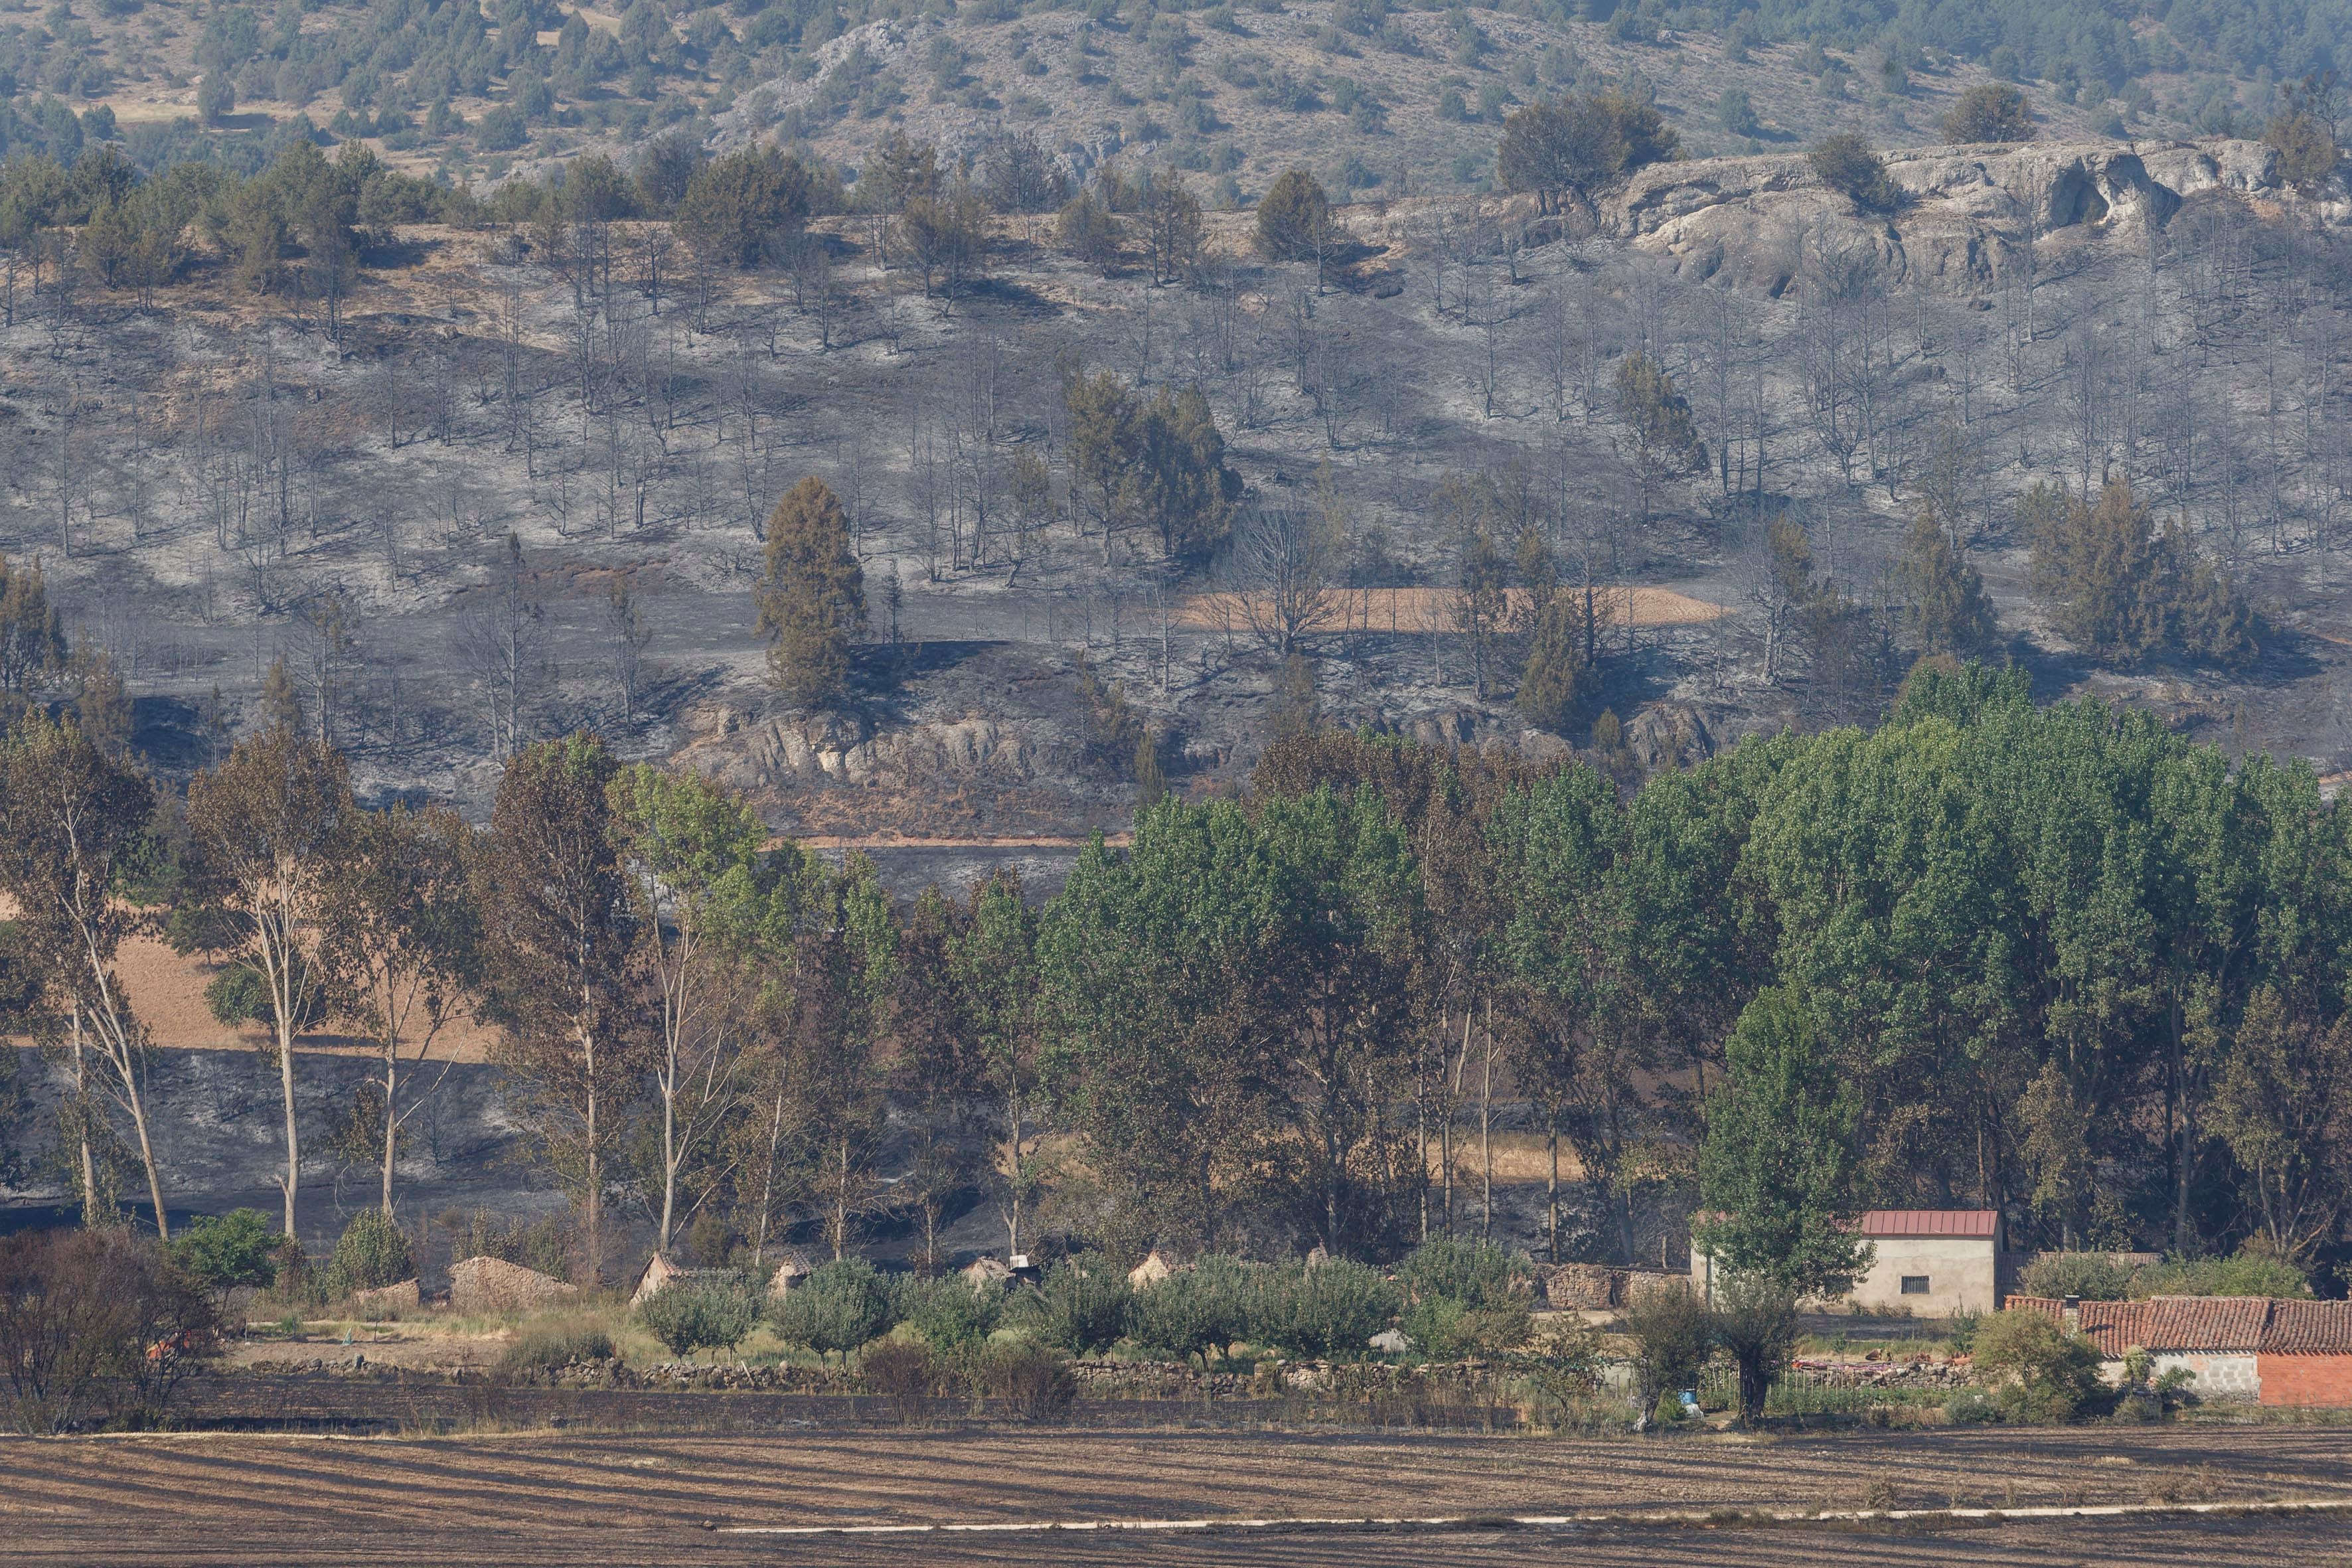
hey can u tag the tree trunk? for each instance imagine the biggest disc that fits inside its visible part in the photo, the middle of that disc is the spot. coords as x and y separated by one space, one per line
1486 1132
292 1181
1013 1173
2184 1155
768 1183
1551 1192
391 1113
593 1164
841 1201
669 1156
88 1161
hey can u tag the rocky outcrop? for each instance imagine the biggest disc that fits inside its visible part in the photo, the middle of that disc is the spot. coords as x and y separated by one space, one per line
1967 210
769 749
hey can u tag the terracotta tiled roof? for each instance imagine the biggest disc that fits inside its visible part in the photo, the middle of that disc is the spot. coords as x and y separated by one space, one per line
2116 1326
1983 1223
2207 1325
2205 1322
2308 1328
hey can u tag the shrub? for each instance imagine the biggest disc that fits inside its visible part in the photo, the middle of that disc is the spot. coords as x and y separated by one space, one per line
95 1325
225 1251
1205 1307
1294 219
1034 1381
554 1345
709 1312
1990 111
1756 1324
837 1309
1845 163
295 1281
900 1371
1475 1273
1327 1310
1086 229
373 1252
1466 1297
1581 141
1563 1378
1972 1407
2093 1275
2044 1373
949 1313
1672 1337
2248 1273
1080 1308
1736 113
735 208
501 129
215 98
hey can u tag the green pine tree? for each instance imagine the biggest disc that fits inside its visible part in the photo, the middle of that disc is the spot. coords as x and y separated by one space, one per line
280 707
1556 678
813 596
1151 782
1948 611
1294 220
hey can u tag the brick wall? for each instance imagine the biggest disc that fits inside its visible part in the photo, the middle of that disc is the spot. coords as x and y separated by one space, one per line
2321 1381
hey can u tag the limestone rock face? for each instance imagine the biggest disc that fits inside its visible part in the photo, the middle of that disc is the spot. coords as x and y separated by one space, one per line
829 748
1967 213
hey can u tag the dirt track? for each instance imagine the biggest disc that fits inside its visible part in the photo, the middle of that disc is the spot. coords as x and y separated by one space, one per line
583 1499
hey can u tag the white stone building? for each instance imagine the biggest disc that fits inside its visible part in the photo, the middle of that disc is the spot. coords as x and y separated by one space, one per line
1928 1263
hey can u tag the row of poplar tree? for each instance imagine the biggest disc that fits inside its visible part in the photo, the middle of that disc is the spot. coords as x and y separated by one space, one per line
2056 961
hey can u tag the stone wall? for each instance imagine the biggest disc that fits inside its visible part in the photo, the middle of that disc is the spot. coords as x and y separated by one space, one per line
1598 1287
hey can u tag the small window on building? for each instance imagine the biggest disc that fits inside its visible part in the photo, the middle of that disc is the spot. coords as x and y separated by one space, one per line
1915 1285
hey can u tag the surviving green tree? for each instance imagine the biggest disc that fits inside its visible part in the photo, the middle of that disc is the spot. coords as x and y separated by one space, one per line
2126 591
1777 1166
813 595
1944 595
1573 145
1294 219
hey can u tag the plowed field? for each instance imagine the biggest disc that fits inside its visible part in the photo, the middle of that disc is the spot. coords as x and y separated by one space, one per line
552 1498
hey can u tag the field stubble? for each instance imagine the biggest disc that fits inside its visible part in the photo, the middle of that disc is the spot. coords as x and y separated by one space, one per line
540 1497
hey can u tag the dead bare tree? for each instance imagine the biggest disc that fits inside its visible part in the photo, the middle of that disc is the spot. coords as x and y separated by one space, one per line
501 636
1281 571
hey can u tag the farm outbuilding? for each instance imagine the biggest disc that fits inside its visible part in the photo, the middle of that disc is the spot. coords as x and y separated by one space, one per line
2246 1348
1928 1263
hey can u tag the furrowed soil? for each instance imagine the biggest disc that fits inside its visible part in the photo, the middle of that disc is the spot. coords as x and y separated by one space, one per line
557 1498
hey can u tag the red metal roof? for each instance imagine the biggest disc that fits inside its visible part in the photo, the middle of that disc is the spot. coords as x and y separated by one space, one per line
1985 1223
